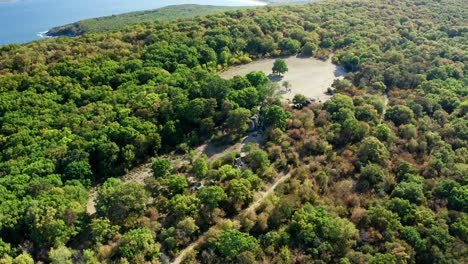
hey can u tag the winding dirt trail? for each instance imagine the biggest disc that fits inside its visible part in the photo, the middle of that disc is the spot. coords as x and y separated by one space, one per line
252 207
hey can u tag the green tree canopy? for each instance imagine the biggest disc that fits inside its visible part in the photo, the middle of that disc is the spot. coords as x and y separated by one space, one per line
311 225
231 243
275 116
280 67
161 167
117 201
212 196
372 150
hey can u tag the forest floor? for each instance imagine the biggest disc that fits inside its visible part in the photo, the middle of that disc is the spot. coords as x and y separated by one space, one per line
308 76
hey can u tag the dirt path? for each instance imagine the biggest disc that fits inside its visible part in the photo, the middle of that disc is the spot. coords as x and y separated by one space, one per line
264 194
91 205
252 207
385 104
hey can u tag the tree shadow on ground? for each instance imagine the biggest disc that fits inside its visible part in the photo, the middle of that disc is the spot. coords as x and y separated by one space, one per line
275 77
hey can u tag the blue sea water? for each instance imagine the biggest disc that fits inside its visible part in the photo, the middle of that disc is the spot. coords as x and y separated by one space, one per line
24 20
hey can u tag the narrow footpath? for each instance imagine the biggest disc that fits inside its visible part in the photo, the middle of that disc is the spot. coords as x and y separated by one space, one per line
261 197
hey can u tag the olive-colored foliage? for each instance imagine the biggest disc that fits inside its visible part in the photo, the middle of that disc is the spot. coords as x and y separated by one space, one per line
460 228
410 191
399 114
288 46
102 230
385 221
383 132
458 198
371 175
258 160
299 99
257 78
176 184
55 216
338 102
212 196
136 242
80 170
183 205
372 150
239 192
60 255
315 225
237 120
118 201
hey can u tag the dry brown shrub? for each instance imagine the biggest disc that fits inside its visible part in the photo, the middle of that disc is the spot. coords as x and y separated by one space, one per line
262 221
321 159
152 213
109 250
295 123
358 214
306 191
301 173
375 236
275 152
322 119
296 133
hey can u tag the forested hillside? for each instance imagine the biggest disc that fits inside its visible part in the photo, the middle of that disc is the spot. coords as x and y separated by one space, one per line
119 22
369 182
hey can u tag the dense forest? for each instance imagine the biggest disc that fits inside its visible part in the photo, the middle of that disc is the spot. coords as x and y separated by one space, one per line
365 181
118 22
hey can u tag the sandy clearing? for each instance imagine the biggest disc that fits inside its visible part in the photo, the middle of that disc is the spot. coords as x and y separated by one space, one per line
308 76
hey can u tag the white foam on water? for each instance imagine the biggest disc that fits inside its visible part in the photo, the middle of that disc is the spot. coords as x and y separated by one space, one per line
42 34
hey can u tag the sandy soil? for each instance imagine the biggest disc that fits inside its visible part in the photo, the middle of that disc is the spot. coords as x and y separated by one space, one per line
308 76
215 152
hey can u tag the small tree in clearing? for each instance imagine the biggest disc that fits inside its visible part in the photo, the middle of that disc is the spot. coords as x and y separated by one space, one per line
287 86
280 67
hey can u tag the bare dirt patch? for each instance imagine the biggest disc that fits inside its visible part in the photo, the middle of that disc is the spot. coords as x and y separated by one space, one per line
214 151
308 76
